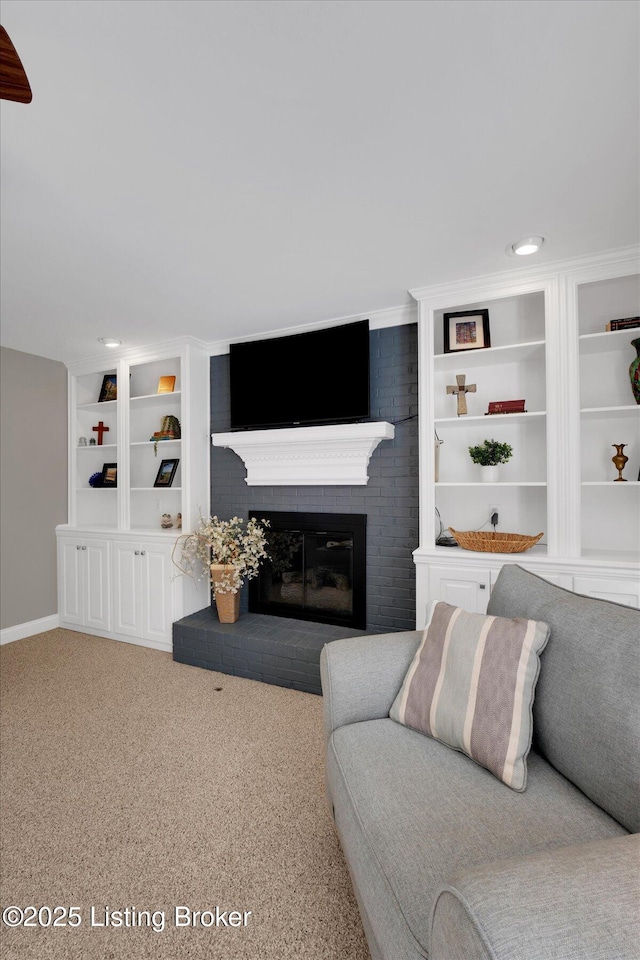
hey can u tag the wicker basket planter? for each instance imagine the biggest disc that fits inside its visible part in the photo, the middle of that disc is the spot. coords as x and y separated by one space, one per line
494 542
227 604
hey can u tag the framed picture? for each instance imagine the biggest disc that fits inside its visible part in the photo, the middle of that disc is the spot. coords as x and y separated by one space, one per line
468 330
109 390
166 384
110 475
166 473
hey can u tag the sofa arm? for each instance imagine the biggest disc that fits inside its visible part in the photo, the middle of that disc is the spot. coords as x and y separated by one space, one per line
574 903
362 675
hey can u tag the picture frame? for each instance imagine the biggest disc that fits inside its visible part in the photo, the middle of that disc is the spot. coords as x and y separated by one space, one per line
109 475
166 384
466 330
109 389
166 472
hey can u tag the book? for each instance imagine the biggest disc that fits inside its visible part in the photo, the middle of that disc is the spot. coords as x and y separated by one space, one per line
506 406
626 323
166 384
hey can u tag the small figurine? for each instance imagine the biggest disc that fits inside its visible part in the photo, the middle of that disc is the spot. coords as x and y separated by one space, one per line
82 442
179 521
166 521
92 441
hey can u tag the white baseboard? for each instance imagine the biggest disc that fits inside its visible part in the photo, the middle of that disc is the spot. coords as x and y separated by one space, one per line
22 630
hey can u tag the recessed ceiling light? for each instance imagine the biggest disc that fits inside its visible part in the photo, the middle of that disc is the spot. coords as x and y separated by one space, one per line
525 247
109 342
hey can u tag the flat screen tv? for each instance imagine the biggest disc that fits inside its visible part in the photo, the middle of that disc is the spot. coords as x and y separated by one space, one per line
308 378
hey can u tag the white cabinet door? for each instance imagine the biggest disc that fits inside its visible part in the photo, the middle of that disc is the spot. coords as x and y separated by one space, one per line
83 582
70 581
142 590
156 592
461 587
97 607
127 588
620 591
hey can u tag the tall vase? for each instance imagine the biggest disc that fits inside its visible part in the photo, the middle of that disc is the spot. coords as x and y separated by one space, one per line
227 604
634 371
619 461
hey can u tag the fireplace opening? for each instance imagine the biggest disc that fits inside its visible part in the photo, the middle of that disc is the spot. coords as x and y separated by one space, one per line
316 568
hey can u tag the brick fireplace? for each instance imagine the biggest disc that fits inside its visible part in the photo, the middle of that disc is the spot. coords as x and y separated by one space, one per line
389 500
286 650
316 570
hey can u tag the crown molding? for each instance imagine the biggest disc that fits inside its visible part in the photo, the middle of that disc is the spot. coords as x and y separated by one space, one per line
610 262
378 319
150 351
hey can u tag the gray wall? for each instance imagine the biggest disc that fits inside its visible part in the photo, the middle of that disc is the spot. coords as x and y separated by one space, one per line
390 499
33 483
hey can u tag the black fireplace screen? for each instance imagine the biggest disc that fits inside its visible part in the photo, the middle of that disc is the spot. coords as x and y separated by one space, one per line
316 568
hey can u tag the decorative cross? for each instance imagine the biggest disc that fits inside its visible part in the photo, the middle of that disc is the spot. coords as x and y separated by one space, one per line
100 429
460 391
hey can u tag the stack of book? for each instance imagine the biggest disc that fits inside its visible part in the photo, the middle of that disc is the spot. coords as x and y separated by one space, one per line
505 406
627 323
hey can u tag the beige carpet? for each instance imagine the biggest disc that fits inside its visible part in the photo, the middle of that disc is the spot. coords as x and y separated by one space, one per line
131 781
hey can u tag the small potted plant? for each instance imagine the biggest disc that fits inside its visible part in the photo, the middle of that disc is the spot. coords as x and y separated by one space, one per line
227 552
489 455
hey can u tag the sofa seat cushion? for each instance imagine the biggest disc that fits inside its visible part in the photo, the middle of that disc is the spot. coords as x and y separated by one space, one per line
410 813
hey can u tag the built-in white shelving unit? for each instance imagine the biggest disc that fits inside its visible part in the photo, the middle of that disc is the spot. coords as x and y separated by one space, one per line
549 347
116 575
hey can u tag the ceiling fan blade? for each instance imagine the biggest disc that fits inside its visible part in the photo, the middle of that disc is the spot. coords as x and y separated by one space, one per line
13 80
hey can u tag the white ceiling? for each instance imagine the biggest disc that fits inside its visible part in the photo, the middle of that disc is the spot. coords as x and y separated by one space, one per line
222 169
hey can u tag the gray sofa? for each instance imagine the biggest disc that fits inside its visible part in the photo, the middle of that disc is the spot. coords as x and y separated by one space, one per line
449 863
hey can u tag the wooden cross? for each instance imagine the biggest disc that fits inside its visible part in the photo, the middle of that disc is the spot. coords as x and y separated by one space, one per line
100 429
460 391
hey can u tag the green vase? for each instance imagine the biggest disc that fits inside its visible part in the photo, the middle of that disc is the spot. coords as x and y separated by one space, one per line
634 371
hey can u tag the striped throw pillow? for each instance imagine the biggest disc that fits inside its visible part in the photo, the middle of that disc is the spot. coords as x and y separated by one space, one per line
471 686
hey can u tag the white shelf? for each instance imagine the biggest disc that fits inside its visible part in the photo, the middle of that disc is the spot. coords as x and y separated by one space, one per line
600 413
539 550
498 483
105 405
512 353
98 446
155 489
150 443
149 398
613 556
488 418
608 340
610 483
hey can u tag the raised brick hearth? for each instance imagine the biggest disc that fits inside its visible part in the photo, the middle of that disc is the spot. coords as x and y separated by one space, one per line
274 650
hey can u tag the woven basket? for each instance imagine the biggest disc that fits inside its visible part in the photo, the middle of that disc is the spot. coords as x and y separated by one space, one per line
494 542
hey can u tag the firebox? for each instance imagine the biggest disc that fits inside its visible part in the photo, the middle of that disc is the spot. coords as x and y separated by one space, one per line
316 568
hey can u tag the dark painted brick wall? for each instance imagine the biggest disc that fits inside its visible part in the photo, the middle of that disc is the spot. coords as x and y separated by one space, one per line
390 499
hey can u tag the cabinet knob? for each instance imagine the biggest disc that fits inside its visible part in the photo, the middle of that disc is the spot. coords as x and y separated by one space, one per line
137 552
84 548
78 547
482 586
143 553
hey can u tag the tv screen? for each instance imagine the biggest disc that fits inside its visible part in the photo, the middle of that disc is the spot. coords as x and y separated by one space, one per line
308 378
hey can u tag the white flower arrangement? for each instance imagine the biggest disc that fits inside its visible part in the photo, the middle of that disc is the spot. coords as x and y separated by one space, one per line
222 541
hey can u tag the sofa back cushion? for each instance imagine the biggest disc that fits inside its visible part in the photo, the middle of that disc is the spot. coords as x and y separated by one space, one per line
586 715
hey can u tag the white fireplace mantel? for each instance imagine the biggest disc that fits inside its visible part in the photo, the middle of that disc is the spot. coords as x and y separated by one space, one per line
307 456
